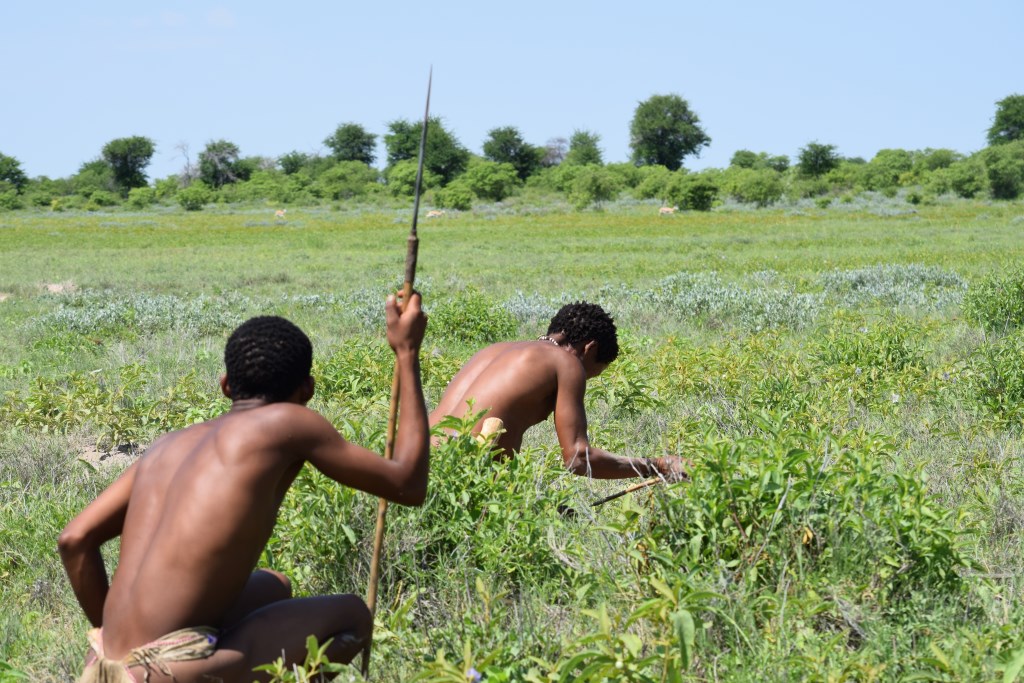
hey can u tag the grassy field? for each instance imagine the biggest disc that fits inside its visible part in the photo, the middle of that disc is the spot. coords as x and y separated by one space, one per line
848 381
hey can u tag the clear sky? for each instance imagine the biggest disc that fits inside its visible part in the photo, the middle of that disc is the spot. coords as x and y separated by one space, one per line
281 76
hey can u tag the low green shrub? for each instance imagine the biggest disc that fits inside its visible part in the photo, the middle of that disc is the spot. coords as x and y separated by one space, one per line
997 376
472 318
997 302
195 196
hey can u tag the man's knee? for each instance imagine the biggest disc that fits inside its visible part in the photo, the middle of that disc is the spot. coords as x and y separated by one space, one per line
357 615
284 581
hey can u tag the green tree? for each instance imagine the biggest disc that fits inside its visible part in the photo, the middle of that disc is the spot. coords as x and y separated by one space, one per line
506 146
352 142
218 163
1004 165
933 159
583 149
444 155
817 159
92 176
128 159
1008 124
967 178
744 158
293 162
664 131
886 168
11 173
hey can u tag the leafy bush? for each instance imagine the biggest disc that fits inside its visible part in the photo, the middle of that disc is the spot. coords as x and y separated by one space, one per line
347 179
997 302
997 376
967 178
10 201
195 196
693 191
652 182
884 170
103 198
167 187
883 346
558 178
593 185
754 508
472 318
116 408
1004 166
141 197
456 195
401 178
760 187
490 180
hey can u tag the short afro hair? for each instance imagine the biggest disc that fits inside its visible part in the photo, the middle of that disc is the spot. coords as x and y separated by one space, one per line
267 357
581 322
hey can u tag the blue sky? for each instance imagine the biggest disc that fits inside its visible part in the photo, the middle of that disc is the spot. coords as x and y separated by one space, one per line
277 77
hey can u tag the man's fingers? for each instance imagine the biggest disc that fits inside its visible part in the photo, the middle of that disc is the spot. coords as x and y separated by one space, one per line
391 310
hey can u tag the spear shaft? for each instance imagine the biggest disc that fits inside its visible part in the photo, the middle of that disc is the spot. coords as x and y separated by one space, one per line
412 252
635 487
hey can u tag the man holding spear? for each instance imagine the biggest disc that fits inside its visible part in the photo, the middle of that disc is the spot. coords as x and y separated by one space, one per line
195 512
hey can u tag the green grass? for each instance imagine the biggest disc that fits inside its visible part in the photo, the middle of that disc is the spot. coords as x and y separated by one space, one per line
857 506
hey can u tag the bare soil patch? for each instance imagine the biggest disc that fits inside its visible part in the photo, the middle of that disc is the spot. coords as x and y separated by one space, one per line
60 287
119 456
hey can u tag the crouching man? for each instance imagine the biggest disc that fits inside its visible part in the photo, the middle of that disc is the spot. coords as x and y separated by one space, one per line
195 512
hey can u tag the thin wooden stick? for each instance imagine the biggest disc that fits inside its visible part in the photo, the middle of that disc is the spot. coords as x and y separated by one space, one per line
635 487
389 439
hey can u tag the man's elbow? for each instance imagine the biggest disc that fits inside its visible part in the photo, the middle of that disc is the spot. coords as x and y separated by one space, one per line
412 489
577 462
411 495
72 541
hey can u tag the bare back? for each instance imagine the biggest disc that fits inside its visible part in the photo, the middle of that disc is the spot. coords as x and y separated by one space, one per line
515 381
203 503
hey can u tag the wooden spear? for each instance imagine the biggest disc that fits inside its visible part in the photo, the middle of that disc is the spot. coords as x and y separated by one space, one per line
389 442
635 487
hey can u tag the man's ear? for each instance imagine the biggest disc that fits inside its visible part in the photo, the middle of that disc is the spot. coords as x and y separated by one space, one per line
590 350
307 389
224 388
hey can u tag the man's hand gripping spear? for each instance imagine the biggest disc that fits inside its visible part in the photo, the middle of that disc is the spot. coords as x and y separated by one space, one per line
389 443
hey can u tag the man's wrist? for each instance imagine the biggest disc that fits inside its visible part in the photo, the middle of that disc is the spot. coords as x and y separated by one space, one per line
408 354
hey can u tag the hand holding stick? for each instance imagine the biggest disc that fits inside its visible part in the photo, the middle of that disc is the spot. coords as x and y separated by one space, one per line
677 473
389 436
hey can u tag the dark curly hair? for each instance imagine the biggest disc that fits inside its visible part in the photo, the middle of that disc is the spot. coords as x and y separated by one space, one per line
267 357
583 322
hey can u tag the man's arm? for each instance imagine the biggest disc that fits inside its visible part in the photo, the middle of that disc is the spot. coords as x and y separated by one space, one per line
403 479
578 455
79 544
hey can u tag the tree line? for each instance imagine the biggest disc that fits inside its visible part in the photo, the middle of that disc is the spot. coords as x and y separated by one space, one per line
664 131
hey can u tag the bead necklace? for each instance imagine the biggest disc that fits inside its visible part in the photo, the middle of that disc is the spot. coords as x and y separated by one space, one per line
546 338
